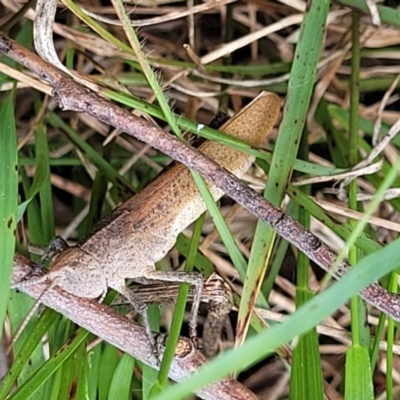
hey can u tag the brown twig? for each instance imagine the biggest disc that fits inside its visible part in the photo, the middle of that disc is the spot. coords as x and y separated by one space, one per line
126 335
72 96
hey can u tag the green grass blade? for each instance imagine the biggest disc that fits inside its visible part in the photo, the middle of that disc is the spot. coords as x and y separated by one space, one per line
8 197
388 15
180 306
35 382
343 230
306 374
226 236
41 222
123 185
202 263
23 358
72 374
94 359
391 337
121 381
301 83
144 63
41 175
358 383
357 356
108 366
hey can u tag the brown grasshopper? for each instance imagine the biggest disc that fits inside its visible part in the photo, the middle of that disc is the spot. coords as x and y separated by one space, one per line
127 243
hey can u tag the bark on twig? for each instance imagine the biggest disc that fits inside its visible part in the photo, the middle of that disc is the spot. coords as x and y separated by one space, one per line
72 96
129 337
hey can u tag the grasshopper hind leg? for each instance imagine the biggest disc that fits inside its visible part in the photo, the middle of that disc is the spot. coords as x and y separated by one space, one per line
193 278
141 307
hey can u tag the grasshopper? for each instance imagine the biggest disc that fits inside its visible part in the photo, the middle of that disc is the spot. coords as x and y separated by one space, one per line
128 242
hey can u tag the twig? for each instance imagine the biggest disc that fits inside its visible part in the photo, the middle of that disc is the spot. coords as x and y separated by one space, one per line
129 337
72 96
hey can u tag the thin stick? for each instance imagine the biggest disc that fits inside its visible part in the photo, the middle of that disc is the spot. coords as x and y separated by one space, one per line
126 335
72 96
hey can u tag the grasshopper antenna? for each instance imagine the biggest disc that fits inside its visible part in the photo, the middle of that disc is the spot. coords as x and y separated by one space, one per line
56 245
32 311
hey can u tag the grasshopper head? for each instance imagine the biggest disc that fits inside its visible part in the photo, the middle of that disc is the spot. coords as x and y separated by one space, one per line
78 273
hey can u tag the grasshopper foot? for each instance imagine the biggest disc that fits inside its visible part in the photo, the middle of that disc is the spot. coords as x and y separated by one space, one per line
194 339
